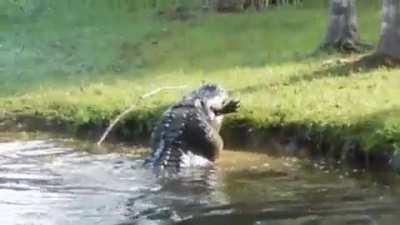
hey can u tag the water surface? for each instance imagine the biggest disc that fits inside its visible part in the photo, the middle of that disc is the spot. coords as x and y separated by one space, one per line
49 182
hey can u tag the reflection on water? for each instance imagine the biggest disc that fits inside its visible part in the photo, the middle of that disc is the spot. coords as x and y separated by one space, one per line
42 182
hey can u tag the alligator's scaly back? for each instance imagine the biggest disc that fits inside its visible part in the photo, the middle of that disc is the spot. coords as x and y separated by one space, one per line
166 139
188 132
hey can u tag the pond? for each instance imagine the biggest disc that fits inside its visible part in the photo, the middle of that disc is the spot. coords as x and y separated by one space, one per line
53 182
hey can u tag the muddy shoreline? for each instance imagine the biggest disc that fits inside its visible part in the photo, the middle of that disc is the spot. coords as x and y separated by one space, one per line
293 140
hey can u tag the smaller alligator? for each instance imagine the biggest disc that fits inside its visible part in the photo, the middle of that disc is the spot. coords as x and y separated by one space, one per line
188 132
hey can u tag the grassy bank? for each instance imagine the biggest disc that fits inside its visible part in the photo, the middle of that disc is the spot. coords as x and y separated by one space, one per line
78 73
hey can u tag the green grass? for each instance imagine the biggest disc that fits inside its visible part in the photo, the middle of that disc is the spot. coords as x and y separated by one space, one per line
86 70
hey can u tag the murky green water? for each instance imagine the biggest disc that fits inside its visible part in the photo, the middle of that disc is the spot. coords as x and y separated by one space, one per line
45 182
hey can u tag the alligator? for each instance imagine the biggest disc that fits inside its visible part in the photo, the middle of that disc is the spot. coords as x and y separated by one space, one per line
188 132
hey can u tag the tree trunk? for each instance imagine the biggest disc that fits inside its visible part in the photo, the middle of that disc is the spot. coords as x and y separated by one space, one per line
229 5
389 44
342 34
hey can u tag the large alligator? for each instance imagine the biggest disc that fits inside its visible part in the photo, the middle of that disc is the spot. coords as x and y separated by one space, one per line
188 132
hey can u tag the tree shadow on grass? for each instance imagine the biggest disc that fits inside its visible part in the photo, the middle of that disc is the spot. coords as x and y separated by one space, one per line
342 67
348 66
329 68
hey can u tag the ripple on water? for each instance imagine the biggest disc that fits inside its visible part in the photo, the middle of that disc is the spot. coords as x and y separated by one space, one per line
43 182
